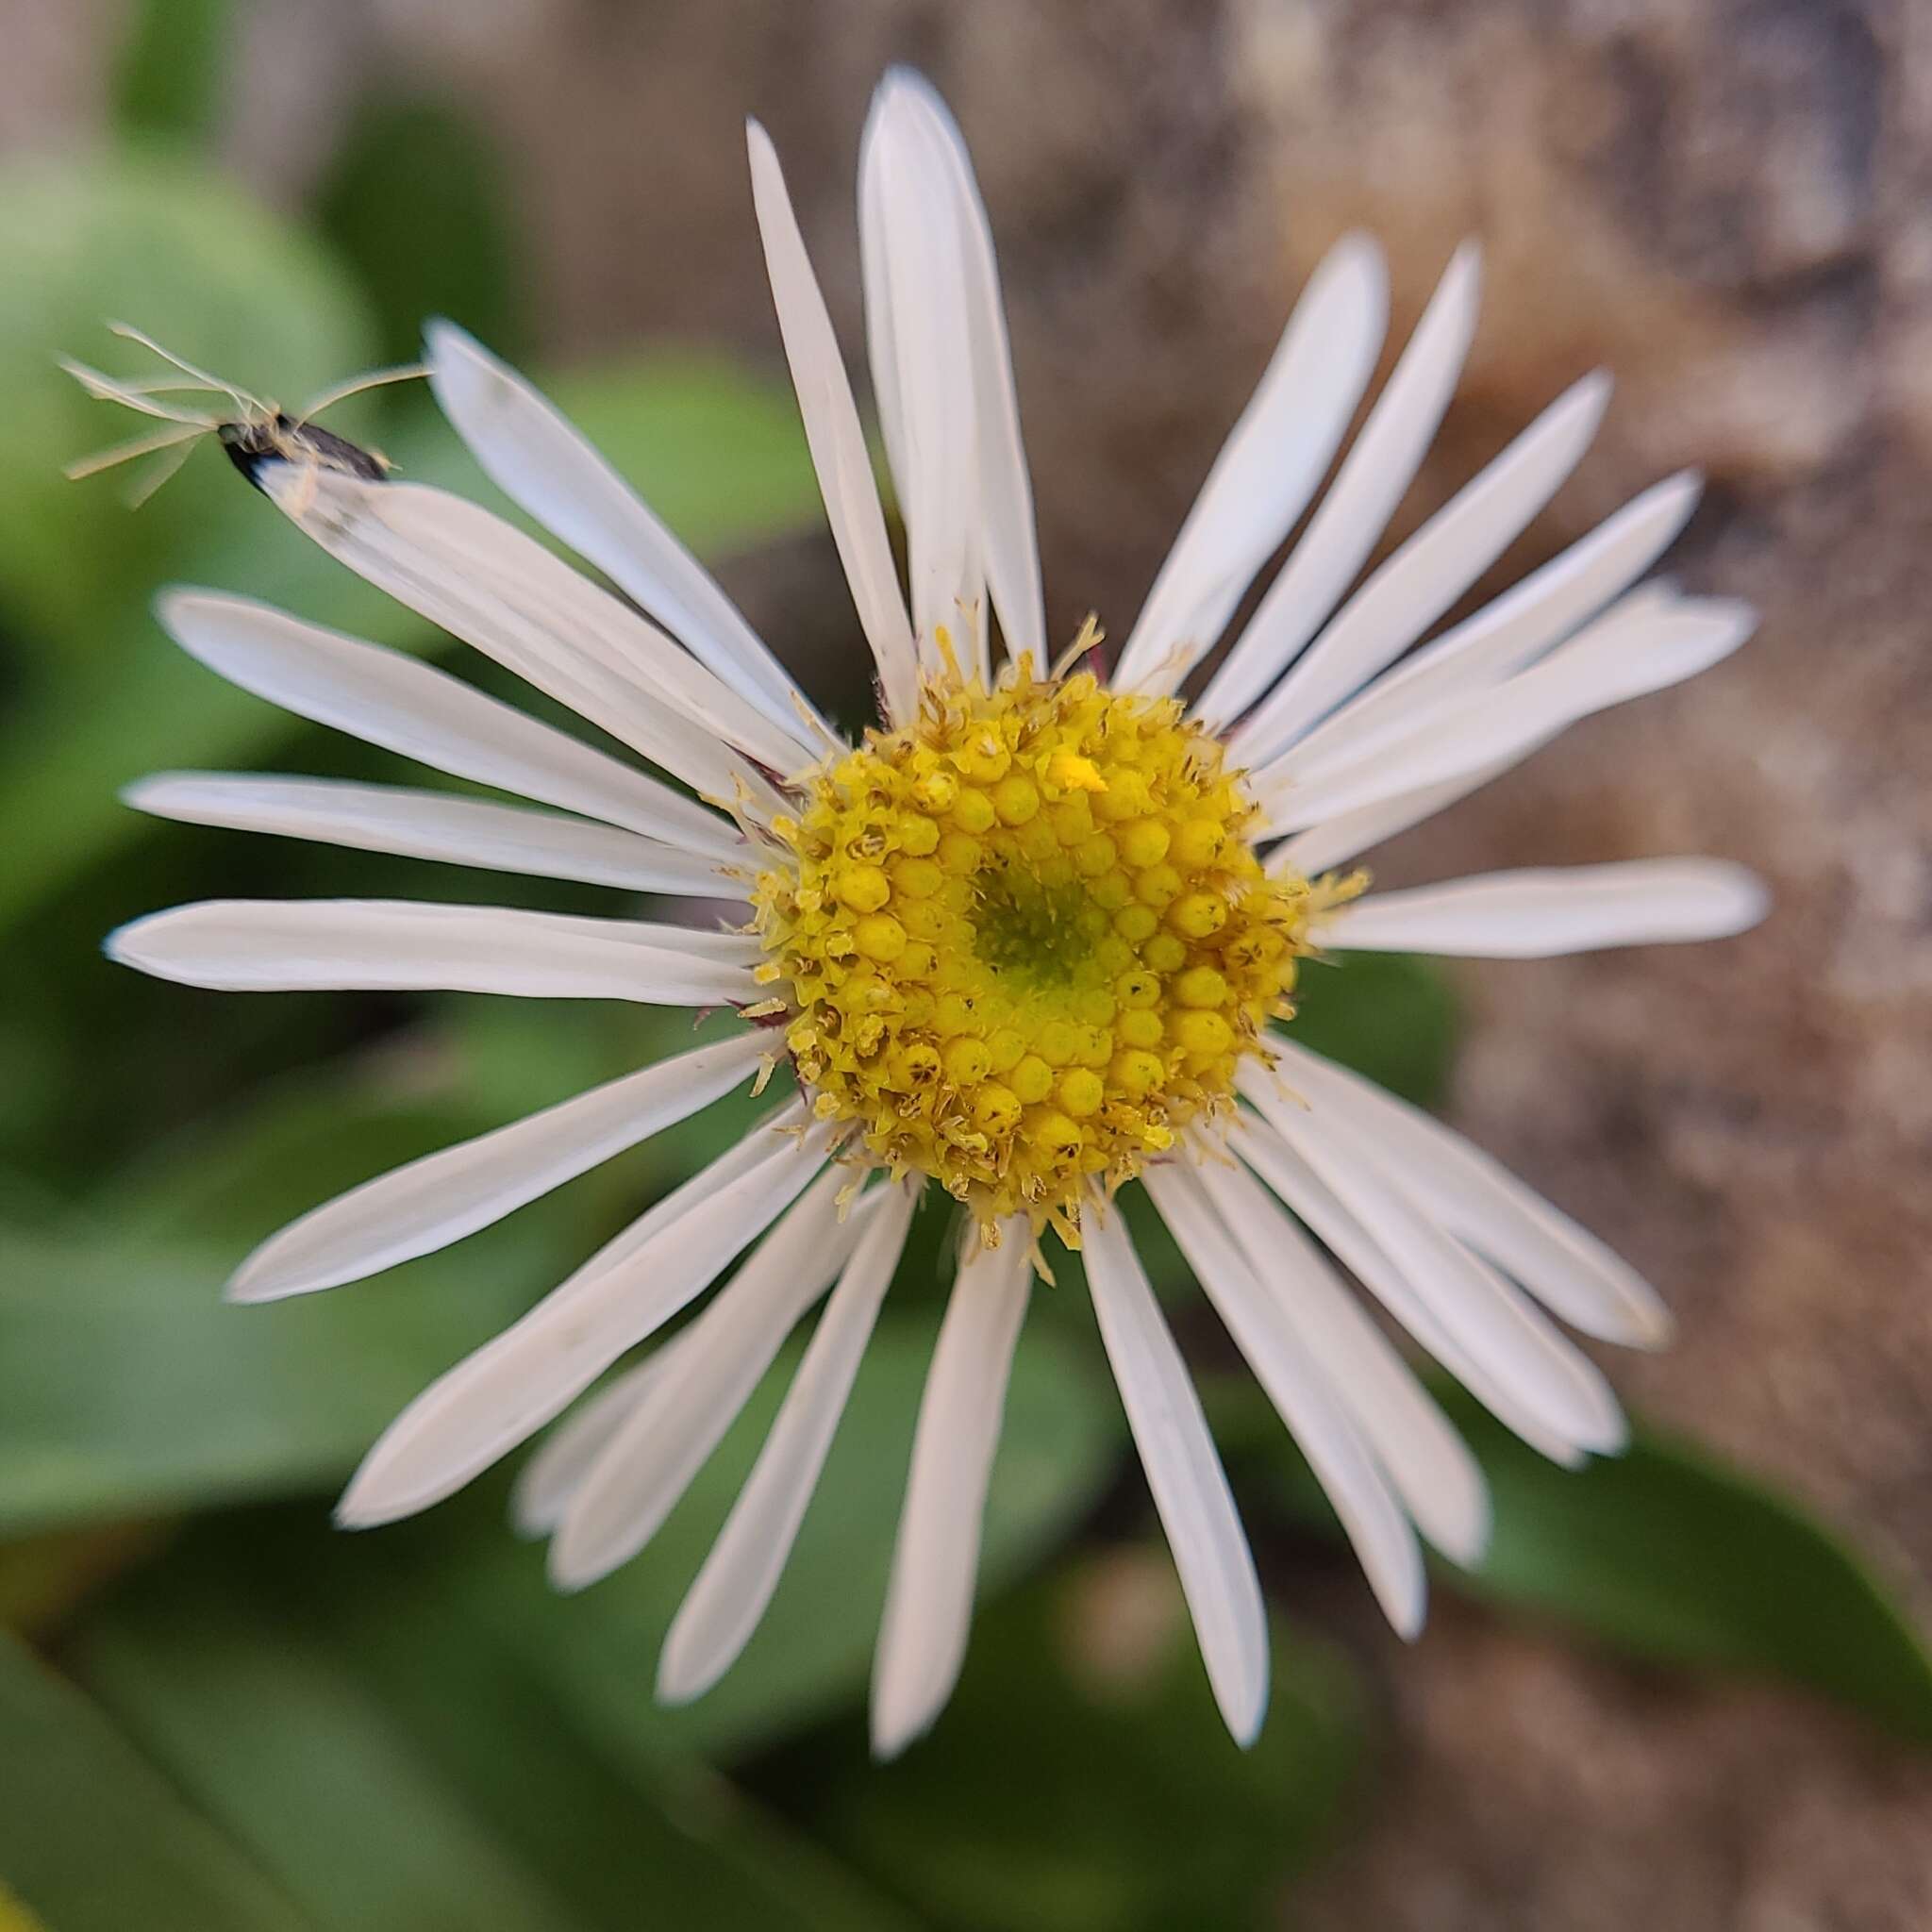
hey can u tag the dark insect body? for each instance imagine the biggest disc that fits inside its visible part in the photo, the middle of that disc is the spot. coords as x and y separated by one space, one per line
282 438
257 433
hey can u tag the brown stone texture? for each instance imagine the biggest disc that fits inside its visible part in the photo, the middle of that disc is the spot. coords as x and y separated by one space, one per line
1729 201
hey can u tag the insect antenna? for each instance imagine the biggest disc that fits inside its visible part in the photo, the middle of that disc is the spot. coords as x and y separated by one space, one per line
178 451
253 433
376 378
248 405
183 433
132 396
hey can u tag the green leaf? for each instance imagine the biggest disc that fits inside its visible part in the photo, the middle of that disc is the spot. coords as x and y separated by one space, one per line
234 1179
1082 1780
415 199
307 1713
1388 1015
91 1835
174 68
43 1578
180 252
126 1383
1665 1553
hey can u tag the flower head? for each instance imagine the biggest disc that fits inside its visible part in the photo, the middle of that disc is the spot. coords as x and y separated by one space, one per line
1033 939
1024 941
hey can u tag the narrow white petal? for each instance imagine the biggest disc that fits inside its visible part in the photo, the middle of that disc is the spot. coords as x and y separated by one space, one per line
388 699
1327 1436
541 460
1513 629
1438 1478
832 430
1481 1202
761 1139
1536 914
1191 1491
1291 1178
1607 664
649 1461
438 1199
1007 529
1498 1328
1430 571
298 945
881 338
936 1557
1337 840
725 1604
485 581
912 221
1269 467
1357 508
551 1476
510 1387
434 824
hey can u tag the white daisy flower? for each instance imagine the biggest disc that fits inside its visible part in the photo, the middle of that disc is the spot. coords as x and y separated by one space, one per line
1026 940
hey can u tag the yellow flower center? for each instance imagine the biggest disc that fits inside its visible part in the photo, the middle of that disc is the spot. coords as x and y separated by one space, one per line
1026 940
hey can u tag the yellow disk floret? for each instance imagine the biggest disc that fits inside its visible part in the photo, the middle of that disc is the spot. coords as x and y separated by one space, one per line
1026 940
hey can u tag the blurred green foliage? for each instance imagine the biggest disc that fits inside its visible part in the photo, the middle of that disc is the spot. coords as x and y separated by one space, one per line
174 67
410 168
252 1723
1085 1781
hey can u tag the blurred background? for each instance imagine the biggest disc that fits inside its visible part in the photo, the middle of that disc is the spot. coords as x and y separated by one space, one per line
1689 1688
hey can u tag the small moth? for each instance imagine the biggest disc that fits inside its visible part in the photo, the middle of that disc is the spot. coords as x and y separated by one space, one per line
255 433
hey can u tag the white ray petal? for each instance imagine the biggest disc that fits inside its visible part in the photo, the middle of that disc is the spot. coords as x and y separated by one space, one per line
485 581
1511 630
1356 508
1534 914
1430 571
510 1387
541 460
1482 1202
881 339
385 698
936 1555
649 1461
911 220
730 1595
551 1476
1268 468
1516 1346
1607 664
761 1139
1006 489
1337 840
438 1199
1366 1505
296 945
1190 1493
1351 1242
832 430
1434 1469
438 825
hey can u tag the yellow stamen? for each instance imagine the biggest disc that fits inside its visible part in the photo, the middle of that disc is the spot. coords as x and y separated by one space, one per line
1026 940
